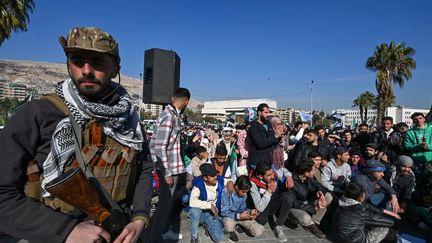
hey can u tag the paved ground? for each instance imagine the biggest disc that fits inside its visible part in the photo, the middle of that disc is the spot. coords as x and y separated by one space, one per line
294 236
297 235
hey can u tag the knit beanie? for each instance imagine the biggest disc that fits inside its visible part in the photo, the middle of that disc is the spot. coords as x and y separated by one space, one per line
404 160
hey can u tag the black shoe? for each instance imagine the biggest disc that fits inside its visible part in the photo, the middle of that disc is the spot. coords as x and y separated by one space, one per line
240 229
315 230
233 237
291 223
194 240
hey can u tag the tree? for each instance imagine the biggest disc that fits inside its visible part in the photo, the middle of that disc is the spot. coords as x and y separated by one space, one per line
14 15
392 62
359 103
364 101
369 101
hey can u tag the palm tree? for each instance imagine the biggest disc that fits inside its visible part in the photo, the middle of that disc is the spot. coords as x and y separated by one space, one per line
392 62
368 100
359 103
14 15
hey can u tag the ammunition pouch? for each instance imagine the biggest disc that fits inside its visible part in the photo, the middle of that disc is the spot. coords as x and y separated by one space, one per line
112 165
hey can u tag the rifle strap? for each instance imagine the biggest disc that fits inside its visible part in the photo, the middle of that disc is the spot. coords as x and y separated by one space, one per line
57 102
76 129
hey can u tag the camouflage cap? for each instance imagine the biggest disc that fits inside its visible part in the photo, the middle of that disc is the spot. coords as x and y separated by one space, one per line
90 38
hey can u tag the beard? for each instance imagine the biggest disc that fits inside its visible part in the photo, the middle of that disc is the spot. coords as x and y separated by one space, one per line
91 88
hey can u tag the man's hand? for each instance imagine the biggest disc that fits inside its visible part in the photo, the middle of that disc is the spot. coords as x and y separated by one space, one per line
253 213
230 187
304 125
322 203
214 211
196 138
394 215
88 231
169 180
271 186
289 183
245 216
131 232
395 204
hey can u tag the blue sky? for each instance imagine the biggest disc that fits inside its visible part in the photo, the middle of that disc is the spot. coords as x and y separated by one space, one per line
232 49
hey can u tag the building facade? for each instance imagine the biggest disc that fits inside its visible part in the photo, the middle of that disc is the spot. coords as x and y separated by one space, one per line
287 114
221 109
154 109
12 90
399 114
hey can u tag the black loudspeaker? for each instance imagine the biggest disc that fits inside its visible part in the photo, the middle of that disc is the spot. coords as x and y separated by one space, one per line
161 75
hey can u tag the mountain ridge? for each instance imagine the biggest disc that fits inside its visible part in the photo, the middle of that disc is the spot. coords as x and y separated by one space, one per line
43 76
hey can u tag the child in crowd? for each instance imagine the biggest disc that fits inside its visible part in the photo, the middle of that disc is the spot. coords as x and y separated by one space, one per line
234 210
205 201
202 156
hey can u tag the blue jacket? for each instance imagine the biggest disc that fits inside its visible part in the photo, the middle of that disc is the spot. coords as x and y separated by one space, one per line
200 184
232 205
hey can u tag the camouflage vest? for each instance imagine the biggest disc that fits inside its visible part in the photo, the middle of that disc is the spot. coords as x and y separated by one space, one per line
112 164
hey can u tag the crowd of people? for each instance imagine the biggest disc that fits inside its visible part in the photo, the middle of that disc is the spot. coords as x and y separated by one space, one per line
239 178
78 166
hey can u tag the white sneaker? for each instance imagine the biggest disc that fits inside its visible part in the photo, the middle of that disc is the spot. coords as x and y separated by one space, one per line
171 235
278 230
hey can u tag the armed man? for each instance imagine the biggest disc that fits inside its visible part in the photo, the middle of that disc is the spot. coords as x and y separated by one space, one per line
89 131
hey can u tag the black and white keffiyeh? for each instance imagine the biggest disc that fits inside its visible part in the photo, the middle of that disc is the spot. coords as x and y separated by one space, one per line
120 122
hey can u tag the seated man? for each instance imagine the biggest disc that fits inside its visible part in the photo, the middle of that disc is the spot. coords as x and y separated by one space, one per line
355 161
319 165
223 167
337 172
371 151
268 198
402 180
311 143
377 191
234 210
205 201
358 222
309 202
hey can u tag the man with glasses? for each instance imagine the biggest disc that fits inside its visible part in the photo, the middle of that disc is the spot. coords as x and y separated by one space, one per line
38 145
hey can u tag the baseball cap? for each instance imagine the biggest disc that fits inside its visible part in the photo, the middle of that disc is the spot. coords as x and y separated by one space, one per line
90 38
207 169
374 166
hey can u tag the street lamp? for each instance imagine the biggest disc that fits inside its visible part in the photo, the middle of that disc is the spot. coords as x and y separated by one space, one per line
311 107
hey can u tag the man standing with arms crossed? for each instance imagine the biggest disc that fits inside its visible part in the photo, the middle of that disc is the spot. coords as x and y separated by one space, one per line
166 155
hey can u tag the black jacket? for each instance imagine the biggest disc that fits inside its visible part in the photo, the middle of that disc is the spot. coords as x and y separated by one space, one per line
305 192
352 220
303 149
404 186
27 136
392 144
260 142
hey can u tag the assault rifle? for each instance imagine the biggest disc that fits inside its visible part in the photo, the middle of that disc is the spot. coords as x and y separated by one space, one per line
74 188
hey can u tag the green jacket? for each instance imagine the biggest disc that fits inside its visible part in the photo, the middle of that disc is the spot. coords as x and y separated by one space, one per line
412 140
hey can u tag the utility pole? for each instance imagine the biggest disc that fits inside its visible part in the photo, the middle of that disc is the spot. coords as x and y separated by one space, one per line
311 107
